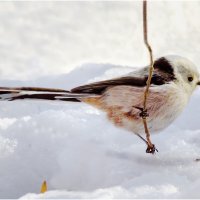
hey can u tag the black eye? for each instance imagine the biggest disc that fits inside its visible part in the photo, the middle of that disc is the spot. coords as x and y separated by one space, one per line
190 78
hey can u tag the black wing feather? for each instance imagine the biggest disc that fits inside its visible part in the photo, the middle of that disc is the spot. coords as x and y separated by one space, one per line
99 87
163 74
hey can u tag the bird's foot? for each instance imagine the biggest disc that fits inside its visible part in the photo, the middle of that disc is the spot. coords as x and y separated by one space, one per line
143 114
151 149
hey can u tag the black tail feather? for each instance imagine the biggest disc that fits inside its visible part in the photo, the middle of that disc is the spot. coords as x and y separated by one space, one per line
20 93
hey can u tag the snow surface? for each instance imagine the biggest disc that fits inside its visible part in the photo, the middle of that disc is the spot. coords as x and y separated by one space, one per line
70 145
82 155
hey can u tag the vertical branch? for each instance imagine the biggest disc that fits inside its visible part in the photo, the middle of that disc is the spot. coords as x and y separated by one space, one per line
150 52
150 148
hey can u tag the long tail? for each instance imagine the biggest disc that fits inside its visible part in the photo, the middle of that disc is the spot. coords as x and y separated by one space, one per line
20 93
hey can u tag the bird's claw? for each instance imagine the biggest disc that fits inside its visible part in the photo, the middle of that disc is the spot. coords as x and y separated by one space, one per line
151 149
143 114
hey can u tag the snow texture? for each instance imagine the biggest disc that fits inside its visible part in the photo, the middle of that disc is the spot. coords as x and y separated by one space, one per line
71 145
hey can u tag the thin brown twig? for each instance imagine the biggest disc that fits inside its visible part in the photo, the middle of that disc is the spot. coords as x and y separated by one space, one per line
151 68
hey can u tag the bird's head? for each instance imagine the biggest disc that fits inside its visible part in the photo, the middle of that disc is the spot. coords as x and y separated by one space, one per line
183 72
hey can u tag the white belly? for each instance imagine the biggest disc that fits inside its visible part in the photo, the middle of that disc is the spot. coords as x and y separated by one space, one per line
163 105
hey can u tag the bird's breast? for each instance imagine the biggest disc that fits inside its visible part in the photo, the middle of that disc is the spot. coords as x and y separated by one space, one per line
122 105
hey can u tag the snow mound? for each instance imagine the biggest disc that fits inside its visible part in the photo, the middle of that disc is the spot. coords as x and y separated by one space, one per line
81 155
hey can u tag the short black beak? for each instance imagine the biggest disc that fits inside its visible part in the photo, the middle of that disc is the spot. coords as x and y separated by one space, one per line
198 83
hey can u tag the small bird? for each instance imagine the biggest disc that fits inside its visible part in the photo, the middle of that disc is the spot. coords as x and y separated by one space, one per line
173 82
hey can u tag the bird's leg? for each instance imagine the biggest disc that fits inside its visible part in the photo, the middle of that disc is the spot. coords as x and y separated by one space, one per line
150 147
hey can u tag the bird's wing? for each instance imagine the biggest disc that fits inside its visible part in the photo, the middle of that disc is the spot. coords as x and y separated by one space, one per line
162 74
19 93
90 90
133 80
99 87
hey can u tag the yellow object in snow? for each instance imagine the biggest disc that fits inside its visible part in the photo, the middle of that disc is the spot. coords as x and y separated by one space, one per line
43 187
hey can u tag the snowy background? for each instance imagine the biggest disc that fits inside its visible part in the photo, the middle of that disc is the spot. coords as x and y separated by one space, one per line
71 145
